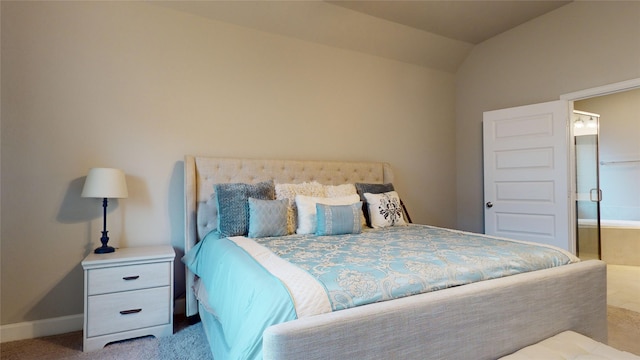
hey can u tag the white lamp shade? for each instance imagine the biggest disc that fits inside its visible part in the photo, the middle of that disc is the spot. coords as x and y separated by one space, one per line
105 183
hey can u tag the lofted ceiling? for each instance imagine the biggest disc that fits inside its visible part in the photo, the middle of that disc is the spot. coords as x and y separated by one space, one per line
471 21
437 34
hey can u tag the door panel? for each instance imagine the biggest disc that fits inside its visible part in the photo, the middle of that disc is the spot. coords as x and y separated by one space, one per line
526 173
518 225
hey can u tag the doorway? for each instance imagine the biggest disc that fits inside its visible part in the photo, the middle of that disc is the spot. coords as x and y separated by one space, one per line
579 100
566 194
619 174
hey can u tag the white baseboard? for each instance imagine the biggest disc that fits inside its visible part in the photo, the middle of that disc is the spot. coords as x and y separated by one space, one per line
39 328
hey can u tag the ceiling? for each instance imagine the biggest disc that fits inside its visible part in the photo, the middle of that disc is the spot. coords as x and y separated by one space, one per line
471 21
436 34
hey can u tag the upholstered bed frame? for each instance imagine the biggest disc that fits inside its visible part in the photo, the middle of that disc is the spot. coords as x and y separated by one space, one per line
484 320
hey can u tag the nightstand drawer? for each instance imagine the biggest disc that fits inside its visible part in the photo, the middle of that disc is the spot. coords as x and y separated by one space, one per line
131 277
117 312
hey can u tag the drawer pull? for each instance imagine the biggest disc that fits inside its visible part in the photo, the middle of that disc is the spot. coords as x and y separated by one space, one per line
132 311
131 277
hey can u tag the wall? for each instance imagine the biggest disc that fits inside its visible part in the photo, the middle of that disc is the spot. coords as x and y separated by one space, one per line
579 46
135 86
619 140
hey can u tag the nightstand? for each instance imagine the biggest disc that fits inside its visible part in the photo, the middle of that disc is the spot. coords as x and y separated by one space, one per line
127 294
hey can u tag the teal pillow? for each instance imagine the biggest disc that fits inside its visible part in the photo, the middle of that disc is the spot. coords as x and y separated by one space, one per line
338 219
267 217
233 206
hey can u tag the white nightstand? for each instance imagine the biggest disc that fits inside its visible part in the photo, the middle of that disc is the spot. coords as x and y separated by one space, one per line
127 294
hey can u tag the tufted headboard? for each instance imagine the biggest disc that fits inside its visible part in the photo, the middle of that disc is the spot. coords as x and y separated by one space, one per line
201 173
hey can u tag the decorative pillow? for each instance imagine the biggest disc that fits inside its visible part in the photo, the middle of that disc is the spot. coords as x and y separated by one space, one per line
339 190
289 192
267 217
338 219
233 207
343 190
372 189
384 209
307 209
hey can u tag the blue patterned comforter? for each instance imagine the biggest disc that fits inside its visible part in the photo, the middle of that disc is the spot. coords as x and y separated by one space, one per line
245 297
394 262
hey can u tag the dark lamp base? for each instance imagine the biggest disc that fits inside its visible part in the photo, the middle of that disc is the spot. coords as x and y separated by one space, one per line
104 250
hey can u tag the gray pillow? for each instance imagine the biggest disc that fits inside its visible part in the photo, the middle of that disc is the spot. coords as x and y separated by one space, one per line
363 188
268 217
233 205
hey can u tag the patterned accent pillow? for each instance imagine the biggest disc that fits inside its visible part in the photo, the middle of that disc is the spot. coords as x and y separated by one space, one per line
267 217
384 209
307 210
363 188
233 206
338 219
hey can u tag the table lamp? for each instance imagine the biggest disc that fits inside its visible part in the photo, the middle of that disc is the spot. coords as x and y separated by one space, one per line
105 183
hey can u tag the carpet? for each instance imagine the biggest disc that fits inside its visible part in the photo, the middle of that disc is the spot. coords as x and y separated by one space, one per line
187 343
624 329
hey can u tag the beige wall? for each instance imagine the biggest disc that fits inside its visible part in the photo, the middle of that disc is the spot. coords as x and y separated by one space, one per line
134 86
582 45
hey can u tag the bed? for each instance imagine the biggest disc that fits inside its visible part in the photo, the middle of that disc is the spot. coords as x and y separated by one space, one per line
480 320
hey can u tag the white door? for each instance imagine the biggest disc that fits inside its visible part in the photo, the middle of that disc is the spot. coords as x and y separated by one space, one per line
526 174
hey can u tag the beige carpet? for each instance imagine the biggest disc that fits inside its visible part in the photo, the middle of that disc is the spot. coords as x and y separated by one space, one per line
188 342
624 329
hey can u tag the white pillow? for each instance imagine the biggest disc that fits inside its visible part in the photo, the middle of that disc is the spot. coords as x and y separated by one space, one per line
384 209
289 192
307 209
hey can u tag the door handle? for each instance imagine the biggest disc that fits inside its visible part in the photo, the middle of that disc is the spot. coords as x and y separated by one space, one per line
489 204
598 195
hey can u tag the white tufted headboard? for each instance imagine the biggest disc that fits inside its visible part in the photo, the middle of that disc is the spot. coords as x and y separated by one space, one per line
201 173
